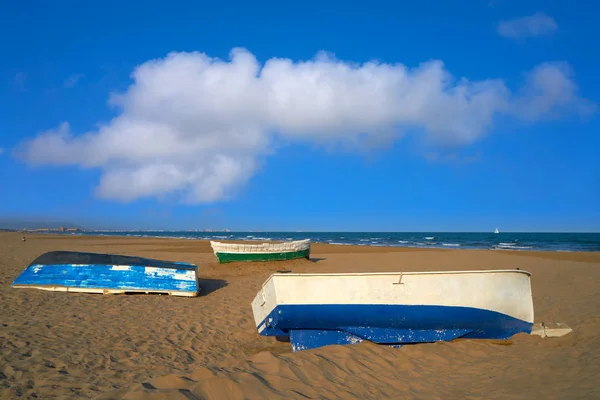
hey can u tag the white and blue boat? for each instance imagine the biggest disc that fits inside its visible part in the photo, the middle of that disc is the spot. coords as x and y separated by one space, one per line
69 271
315 310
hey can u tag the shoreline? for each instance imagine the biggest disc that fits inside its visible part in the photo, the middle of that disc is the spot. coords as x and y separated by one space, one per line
330 248
270 240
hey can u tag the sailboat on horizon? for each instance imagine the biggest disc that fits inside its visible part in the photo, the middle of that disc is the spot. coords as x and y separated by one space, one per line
496 231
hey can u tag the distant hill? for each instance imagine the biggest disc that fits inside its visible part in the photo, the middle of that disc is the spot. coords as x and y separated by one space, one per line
19 224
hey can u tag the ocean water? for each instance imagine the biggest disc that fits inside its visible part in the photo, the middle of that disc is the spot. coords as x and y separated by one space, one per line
462 240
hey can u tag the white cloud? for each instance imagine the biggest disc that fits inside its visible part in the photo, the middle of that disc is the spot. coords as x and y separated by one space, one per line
72 80
196 127
538 24
549 92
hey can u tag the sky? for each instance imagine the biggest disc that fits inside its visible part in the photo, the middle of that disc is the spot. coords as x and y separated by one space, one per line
324 116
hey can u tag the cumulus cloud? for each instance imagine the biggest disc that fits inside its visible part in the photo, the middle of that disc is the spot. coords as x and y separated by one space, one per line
196 127
550 91
538 24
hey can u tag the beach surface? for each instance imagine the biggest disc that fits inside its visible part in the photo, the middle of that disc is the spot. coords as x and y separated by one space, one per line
72 345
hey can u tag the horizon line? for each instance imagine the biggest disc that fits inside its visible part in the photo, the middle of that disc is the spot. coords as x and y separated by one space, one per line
318 231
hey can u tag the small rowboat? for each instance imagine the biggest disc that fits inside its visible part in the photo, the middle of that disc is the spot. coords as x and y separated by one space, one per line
230 252
69 271
315 310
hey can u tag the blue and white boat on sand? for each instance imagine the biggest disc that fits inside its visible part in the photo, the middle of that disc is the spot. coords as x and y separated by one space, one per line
316 310
108 274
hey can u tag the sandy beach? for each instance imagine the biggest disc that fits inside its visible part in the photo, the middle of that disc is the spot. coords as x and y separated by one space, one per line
68 345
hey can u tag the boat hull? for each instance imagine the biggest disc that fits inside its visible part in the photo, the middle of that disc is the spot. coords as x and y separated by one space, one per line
387 324
248 257
237 252
316 310
100 275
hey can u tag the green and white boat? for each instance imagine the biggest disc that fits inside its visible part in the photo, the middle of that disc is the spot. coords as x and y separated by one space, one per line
231 252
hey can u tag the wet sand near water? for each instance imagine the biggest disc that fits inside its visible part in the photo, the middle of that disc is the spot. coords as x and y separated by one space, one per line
71 346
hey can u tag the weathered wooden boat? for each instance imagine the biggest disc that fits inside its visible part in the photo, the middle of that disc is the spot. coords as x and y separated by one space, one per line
230 252
314 310
109 274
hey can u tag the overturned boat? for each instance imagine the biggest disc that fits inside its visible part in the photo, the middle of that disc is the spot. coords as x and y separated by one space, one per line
315 310
230 252
69 271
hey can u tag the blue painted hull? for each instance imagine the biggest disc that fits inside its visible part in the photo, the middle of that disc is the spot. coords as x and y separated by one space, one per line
47 272
312 326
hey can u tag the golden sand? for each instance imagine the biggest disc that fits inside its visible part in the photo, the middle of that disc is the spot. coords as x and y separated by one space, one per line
69 345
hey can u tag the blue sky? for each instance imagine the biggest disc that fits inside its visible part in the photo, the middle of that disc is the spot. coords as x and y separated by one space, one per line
473 115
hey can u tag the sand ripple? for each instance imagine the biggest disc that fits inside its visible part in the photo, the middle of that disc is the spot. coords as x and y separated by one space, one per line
65 345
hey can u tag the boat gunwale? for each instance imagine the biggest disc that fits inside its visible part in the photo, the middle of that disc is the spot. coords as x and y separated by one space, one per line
104 290
258 252
263 243
403 273
341 274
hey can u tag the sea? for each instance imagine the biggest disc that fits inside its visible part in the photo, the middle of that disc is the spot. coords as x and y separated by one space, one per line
446 240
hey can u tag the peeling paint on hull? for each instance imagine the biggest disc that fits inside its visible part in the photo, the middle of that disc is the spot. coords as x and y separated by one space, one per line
393 308
232 252
151 276
313 326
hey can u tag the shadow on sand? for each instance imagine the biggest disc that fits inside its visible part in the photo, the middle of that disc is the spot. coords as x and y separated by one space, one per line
316 260
207 286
